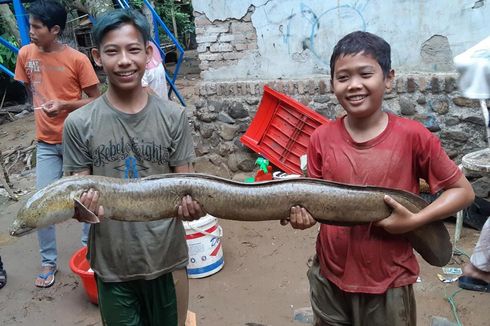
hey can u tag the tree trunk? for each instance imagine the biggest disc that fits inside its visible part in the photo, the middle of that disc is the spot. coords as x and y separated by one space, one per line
149 16
174 23
10 21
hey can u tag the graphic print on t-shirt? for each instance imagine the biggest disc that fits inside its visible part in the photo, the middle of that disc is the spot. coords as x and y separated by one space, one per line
33 69
129 154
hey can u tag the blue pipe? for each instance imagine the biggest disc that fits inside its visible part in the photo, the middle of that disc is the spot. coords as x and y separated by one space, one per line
9 45
7 71
20 16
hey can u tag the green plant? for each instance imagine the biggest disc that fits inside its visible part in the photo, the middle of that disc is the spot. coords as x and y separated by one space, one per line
7 57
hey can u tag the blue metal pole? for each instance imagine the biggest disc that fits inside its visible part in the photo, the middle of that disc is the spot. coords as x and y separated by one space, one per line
21 17
8 45
7 71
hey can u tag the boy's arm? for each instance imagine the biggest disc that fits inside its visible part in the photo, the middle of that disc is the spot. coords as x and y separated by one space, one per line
454 198
53 107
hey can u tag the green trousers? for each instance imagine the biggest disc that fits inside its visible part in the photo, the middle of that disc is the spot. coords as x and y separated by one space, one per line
139 302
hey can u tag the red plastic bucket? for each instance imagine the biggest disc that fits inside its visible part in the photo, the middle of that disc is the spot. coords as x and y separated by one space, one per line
80 266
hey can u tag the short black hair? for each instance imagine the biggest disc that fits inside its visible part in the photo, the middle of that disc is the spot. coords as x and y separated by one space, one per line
366 43
49 12
114 19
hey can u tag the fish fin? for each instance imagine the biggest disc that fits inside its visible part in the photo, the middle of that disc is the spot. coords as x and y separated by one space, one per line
83 214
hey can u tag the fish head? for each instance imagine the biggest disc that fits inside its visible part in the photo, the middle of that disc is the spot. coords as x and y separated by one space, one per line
29 217
48 206
19 227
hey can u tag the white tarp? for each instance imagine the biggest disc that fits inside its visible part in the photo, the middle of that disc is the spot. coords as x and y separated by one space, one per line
474 68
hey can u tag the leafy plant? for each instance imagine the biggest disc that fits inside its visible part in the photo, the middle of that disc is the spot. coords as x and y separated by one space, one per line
7 57
181 12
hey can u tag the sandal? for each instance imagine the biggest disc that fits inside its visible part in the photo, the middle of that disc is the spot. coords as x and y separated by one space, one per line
473 284
47 276
3 278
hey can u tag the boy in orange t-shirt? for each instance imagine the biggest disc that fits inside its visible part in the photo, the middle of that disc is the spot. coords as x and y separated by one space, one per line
55 75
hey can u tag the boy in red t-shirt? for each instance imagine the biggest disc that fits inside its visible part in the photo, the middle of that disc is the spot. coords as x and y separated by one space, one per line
363 275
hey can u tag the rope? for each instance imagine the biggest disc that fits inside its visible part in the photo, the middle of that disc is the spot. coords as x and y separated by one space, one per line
453 304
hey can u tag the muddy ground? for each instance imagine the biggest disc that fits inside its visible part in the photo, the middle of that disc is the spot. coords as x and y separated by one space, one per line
262 283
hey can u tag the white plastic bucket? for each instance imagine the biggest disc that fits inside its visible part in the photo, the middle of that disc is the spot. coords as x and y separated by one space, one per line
205 250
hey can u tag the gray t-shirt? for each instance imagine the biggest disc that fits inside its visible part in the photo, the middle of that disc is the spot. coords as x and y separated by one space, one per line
116 144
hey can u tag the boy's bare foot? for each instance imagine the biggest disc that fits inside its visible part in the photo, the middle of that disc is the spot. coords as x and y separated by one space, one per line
472 271
46 278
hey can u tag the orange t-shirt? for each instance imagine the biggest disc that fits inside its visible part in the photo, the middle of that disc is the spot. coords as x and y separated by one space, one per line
60 75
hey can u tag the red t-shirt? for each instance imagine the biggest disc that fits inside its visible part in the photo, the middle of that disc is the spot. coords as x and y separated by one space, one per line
365 258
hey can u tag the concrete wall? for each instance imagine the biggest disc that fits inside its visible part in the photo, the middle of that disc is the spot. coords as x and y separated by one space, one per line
270 39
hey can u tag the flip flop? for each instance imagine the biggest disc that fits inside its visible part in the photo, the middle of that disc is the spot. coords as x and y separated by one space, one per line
46 276
473 284
3 278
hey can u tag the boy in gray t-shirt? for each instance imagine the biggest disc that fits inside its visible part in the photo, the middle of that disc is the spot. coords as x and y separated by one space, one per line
128 133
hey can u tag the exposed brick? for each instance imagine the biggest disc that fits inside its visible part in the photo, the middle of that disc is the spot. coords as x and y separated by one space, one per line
201 48
215 28
241 46
312 87
253 87
221 47
210 56
211 89
322 87
282 86
204 65
233 55
201 20
301 88
226 37
242 28
450 84
220 89
435 85
231 89
208 38
202 90
244 89
411 85
400 85
423 83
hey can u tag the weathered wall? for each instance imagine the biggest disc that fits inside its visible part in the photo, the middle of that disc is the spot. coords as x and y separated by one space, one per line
269 39
225 109
286 44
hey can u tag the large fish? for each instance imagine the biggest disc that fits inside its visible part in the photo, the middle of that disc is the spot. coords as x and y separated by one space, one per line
157 197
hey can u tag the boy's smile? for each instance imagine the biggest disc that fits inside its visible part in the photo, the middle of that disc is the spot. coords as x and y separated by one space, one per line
359 84
123 55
